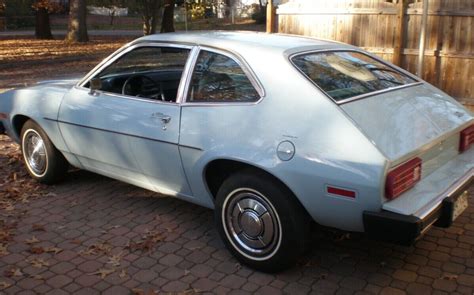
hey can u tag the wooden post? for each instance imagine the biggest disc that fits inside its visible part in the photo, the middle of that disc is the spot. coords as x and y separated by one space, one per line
400 32
271 17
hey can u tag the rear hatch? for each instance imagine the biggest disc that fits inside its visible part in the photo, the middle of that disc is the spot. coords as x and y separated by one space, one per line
415 121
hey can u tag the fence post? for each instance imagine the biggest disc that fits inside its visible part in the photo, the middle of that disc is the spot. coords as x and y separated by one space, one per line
400 32
421 53
271 17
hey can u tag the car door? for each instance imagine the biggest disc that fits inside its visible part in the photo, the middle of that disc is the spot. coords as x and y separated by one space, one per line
129 128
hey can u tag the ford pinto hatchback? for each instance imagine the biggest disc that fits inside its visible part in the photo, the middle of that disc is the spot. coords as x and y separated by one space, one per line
270 131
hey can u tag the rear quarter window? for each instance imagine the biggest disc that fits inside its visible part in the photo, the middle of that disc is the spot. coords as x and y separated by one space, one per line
346 74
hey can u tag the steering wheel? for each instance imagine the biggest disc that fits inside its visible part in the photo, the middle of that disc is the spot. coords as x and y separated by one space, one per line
136 89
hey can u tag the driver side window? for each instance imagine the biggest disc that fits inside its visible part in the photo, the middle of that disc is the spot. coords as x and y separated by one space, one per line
146 72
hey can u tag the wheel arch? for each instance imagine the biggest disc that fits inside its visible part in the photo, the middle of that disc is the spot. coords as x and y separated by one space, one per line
217 170
17 123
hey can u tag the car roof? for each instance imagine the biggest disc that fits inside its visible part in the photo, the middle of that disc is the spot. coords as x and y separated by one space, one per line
241 40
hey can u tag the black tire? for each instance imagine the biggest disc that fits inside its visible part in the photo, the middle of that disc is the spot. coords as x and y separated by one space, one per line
290 223
53 166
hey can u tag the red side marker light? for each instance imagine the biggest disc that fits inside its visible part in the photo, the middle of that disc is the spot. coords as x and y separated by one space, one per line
341 192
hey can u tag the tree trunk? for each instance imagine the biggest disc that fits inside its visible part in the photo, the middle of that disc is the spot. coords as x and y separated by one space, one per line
77 29
151 9
42 26
112 16
167 23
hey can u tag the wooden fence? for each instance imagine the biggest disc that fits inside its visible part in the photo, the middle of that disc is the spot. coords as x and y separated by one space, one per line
391 29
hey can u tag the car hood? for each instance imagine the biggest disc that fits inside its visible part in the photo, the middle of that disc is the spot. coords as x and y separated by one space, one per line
66 83
402 121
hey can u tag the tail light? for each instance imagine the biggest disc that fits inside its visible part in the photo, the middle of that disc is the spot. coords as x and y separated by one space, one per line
403 178
467 138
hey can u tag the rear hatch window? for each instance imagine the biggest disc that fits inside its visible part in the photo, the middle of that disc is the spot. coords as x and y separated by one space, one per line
347 75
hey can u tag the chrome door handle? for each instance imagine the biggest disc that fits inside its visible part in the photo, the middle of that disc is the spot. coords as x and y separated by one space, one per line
165 119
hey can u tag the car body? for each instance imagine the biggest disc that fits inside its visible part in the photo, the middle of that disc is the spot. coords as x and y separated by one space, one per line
230 108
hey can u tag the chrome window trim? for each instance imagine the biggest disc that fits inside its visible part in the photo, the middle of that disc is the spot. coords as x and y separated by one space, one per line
187 74
257 85
128 48
362 96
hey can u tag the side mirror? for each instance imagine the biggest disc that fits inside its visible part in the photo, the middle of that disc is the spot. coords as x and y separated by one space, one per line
94 85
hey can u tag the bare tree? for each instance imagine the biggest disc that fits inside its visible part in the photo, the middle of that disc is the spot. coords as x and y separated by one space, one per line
167 23
77 29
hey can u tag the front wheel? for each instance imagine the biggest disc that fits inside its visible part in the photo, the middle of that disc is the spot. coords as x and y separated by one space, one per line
43 161
261 222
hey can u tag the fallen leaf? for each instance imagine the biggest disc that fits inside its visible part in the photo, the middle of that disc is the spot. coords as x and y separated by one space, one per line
39 262
449 277
13 272
54 250
146 243
4 285
345 236
115 259
3 249
38 227
136 291
33 240
9 207
97 248
123 273
37 250
103 272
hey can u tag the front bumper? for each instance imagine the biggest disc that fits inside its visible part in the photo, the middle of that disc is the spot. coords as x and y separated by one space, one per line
406 229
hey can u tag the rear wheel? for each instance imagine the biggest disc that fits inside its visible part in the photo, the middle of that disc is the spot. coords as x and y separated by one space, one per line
261 222
43 161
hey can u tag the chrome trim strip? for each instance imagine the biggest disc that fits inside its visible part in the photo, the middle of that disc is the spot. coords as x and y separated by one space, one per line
99 93
122 51
186 75
362 96
358 97
423 149
189 75
121 133
428 208
247 71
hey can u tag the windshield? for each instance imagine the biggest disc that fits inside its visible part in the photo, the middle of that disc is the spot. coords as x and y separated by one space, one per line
347 74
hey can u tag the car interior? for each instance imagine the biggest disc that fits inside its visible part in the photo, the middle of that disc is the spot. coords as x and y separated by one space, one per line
158 85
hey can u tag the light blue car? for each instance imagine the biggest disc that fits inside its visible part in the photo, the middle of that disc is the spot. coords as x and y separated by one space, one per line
271 131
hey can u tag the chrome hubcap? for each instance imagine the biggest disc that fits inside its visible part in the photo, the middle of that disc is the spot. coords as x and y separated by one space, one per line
252 223
35 152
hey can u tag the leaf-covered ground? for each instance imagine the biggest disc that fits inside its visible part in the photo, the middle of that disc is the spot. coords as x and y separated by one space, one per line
24 61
